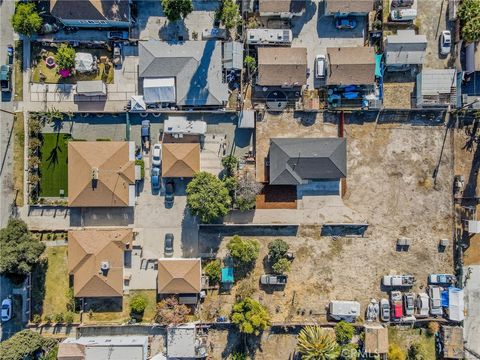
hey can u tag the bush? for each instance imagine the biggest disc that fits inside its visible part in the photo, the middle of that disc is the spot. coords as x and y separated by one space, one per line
238 356
230 14
230 164
37 319
250 316
25 344
432 328
104 139
69 317
344 332
277 250
48 319
138 304
141 162
58 317
243 251
416 351
395 352
281 266
177 9
250 64
214 271
69 296
34 126
34 144
169 311
26 19
65 57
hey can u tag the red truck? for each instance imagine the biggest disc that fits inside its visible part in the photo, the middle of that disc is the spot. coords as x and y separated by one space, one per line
397 305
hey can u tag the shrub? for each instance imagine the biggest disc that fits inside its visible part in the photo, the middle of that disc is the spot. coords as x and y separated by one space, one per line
315 343
230 164
177 9
26 19
141 162
243 251
169 311
34 144
65 57
344 332
281 266
69 317
432 328
138 304
58 317
395 352
250 316
48 319
250 64
69 296
277 250
37 319
214 271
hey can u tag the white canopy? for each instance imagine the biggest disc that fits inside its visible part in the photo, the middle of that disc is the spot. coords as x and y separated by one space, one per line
159 90
83 62
455 304
137 103
246 120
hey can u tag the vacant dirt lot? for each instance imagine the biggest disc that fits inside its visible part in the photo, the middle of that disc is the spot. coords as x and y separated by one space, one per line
390 184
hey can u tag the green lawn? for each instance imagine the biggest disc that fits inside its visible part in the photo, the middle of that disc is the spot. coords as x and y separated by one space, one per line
405 337
18 70
53 167
18 157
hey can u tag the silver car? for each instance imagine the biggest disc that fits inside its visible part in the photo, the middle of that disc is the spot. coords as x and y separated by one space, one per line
385 310
409 304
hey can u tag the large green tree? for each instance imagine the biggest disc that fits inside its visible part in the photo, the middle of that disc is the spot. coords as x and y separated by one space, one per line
65 58
315 343
250 316
344 332
243 251
469 14
26 20
208 197
177 9
230 14
24 345
19 250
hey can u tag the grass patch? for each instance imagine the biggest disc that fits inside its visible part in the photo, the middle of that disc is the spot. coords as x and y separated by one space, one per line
18 157
52 77
53 166
406 337
18 71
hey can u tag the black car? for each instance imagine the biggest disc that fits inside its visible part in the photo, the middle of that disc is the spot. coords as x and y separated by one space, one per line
169 193
168 248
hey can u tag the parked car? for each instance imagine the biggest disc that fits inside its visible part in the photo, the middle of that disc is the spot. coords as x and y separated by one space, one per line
117 35
117 56
320 66
155 172
268 279
168 247
445 42
402 3
403 14
409 304
157 154
169 193
6 309
10 52
345 23
5 78
384 310
396 305
398 280
441 279
145 133
435 301
422 306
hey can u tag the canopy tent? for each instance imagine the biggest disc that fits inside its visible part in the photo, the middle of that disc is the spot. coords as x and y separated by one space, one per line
137 103
455 304
227 275
83 62
159 90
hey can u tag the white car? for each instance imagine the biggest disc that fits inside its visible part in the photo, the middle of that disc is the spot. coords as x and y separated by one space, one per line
320 66
422 305
6 309
435 301
445 42
157 154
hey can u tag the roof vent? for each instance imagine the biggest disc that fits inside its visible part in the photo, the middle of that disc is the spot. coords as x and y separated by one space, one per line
104 265
95 173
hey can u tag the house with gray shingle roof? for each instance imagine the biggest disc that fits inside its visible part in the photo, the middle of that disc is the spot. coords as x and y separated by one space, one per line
187 74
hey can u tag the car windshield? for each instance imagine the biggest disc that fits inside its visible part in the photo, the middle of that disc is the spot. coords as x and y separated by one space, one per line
4 307
156 158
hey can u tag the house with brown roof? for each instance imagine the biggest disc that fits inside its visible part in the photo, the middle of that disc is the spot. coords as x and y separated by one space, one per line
182 277
281 8
376 340
92 13
96 262
351 7
180 159
282 67
101 173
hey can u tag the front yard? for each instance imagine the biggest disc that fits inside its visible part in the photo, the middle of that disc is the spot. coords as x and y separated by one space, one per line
53 166
39 67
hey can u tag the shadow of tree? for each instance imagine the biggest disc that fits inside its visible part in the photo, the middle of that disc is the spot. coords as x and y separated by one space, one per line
39 274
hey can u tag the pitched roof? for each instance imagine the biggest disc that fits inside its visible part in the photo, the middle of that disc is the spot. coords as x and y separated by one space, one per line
116 171
376 340
281 6
87 249
114 10
279 66
351 66
348 6
180 159
405 47
179 276
295 160
196 66
68 351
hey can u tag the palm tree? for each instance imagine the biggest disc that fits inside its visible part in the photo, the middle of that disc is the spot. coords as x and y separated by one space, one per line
315 343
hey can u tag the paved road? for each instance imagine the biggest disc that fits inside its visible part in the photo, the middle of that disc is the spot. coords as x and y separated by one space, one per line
472 298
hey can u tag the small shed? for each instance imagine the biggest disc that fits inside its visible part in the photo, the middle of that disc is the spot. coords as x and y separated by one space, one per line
233 55
376 339
246 119
184 342
91 88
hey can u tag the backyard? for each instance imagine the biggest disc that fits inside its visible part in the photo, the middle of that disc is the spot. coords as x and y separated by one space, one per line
404 338
39 54
53 166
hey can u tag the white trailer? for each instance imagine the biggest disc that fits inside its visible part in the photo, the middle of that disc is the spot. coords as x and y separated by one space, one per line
398 280
269 36
344 310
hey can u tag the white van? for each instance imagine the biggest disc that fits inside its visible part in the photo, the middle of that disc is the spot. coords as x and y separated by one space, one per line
403 14
320 66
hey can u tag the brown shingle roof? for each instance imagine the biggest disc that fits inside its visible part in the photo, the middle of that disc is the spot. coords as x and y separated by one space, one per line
348 6
116 10
279 66
71 352
376 340
180 159
87 249
351 66
281 6
179 276
116 171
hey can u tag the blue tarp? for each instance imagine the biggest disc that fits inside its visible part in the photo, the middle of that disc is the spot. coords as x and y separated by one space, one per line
227 275
444 298
378 65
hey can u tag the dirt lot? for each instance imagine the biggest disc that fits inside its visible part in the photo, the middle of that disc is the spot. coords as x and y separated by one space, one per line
390 184
398 95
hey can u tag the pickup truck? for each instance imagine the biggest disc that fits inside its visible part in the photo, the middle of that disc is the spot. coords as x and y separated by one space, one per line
443 279
273 279
398 280
396 305
5 77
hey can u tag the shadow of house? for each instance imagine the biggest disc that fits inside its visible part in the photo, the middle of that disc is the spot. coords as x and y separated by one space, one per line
198 93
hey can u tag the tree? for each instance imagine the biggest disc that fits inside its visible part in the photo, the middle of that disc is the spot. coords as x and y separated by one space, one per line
243 251
350 352
469 15
344 332
281 266
65 58
230 164
277 250
207 197
230 14
138 304
177 9
395 352
169 311
238 356
250 64
214 271
24 345
19 250
250 316
26 19
246 190
315 343
416 352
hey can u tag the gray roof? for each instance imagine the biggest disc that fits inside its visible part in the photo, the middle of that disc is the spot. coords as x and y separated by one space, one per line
294 161
196 66
437 81
233 55
405 47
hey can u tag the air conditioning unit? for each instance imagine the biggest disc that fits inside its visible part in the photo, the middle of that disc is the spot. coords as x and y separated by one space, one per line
95 173
104 265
